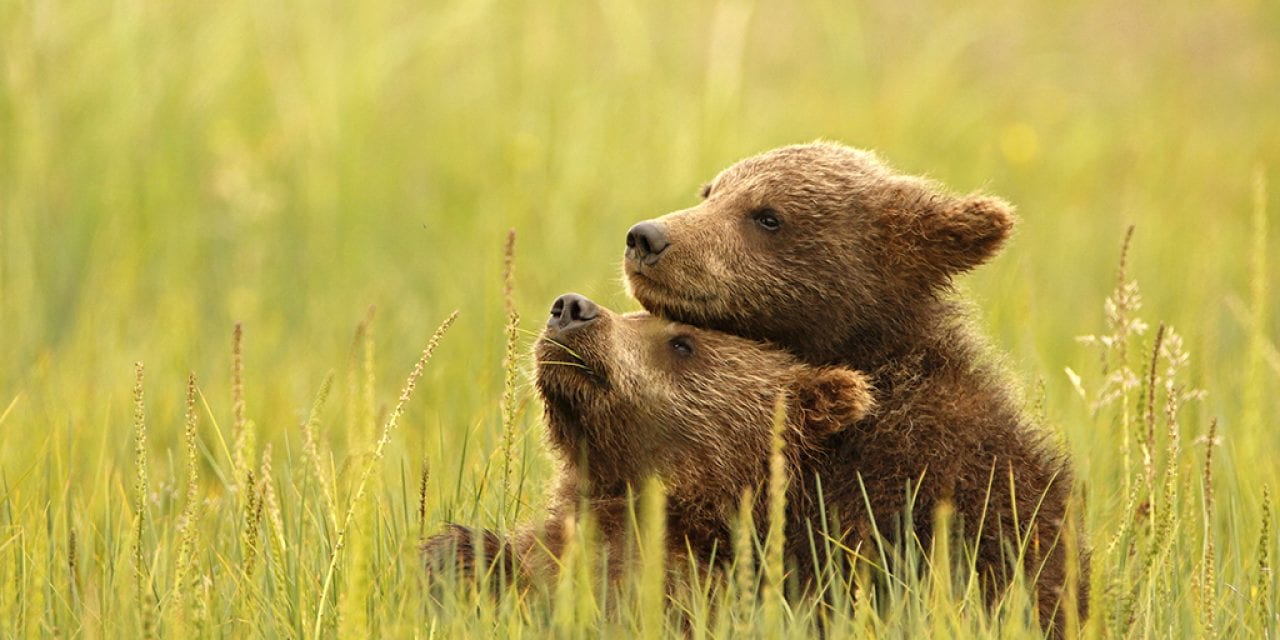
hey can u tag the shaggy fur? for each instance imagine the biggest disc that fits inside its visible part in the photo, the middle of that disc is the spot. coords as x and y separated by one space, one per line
827 252
624 402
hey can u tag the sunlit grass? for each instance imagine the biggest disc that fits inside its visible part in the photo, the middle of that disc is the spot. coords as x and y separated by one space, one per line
171 173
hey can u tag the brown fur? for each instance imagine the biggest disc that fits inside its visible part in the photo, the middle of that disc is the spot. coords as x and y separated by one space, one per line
623 404
857 274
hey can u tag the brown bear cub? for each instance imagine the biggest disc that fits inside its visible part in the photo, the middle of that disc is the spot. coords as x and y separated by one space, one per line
825 251
632 396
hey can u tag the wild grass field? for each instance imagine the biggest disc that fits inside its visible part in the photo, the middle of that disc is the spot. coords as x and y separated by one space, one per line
228 231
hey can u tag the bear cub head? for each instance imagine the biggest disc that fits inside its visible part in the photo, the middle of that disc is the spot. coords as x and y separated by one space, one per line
811 246
633 395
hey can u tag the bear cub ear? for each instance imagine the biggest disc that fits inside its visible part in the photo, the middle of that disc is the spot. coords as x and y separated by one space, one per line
832 398
968 231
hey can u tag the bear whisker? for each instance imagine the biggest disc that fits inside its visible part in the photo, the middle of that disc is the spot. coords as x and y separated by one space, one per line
577 365
570 351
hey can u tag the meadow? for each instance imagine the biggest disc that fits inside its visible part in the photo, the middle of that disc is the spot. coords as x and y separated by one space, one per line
228 231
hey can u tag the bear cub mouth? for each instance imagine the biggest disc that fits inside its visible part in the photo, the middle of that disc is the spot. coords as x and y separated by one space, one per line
554 354
566 380
569 369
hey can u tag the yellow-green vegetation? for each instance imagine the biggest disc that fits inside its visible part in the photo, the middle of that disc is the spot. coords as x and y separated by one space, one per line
228 188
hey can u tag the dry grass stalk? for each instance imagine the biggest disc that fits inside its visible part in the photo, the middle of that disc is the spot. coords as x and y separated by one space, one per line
1071 543
1208 575
188 530
773 591
354 401
653 556
1261 595
142 576
423 476
1149 415
1119 378
73 564
314 459
245 440
941 598
368 401
509 367
744 563
358 576
249 530
392 421
275 519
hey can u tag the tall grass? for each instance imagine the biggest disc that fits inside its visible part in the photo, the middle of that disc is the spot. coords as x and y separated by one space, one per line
169 171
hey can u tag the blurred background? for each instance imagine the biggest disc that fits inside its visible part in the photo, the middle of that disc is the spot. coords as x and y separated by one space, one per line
168 169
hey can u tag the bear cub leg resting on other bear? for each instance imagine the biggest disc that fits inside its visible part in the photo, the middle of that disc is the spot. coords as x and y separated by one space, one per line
634 396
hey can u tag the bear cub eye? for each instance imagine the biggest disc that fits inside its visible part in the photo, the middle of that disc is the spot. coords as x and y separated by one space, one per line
767 219
682 345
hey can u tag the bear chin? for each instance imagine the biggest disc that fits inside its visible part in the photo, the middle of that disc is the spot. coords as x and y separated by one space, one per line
665 302
570 383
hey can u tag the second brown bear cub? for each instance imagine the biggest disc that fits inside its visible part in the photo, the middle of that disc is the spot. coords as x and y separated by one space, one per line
827 252
632 396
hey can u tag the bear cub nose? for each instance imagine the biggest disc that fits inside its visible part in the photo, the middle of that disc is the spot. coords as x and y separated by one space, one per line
645 241
570 311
